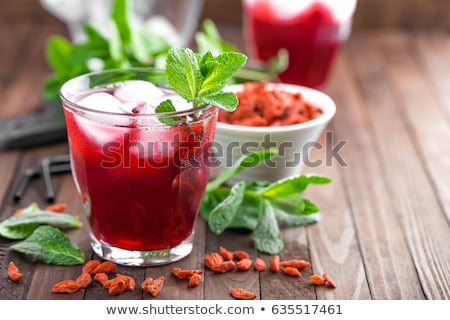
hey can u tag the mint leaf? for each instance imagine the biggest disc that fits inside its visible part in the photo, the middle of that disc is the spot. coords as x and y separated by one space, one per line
167 106
201 79
58 51
293 185
209 39
22 225
267 235
183 72
227 65
223 100
222 215
51 246
120 14
243 162
296 220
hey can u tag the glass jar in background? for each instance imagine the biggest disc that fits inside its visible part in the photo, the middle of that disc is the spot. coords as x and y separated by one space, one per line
310 30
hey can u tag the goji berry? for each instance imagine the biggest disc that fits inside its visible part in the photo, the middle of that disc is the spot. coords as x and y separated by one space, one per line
84 279
13 272
259 265
242 294
275 263
66 286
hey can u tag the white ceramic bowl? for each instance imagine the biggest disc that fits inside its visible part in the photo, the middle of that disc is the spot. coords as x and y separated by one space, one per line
293 142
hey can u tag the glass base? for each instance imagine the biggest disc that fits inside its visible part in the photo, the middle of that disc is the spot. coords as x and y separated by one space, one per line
142 258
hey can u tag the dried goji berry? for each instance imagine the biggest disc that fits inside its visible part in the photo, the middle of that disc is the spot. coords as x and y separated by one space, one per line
145 283
116 286
223 267
131 283
185 273
291 271
244 264
84 279
239 254
66 286
13 272
259 265
295 263
195 280
155 287
57 207
90 266
101 277
105 267
328 280
217 258
208 260
275 263
317 280
225 253
242 294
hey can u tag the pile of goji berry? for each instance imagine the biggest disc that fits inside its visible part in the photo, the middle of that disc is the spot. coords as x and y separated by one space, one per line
218 262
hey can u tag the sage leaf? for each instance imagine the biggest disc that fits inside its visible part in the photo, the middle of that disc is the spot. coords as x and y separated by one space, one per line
267 236
223 214
51 246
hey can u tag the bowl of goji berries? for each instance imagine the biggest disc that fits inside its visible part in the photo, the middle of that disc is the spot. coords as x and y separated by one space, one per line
285 117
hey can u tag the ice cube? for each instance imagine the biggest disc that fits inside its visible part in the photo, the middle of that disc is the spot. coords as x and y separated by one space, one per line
101 101
178 102
137 91
137 108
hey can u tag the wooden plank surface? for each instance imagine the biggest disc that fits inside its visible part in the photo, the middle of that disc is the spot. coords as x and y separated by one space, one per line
384 231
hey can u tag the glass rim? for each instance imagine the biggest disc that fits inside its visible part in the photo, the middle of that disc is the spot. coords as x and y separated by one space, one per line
77 107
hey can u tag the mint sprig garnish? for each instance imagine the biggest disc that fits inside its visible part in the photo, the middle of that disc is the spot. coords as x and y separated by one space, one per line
201 79
259 206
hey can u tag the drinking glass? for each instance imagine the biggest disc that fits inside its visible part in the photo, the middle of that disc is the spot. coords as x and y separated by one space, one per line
310 30
141 175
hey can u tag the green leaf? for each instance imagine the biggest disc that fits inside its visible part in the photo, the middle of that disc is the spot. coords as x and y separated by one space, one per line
120 14
167 106
293 185
95 46
227 65
183 72
51 246
222 215
58 51
267 235
22 225
223 100
209 39
243 162
247 217
296 220
292 204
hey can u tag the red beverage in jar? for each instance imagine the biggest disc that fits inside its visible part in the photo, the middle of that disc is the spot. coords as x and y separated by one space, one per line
311 32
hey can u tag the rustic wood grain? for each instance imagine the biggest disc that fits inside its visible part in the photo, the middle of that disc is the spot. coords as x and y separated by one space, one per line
384 231
333 242
388 265
424 224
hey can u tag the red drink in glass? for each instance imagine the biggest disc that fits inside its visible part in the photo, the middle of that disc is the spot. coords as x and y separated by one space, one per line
310 30
141 180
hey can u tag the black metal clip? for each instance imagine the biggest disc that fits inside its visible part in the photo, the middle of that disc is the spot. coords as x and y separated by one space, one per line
47 167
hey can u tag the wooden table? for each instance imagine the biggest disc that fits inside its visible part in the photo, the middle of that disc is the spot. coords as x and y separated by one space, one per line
384 232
